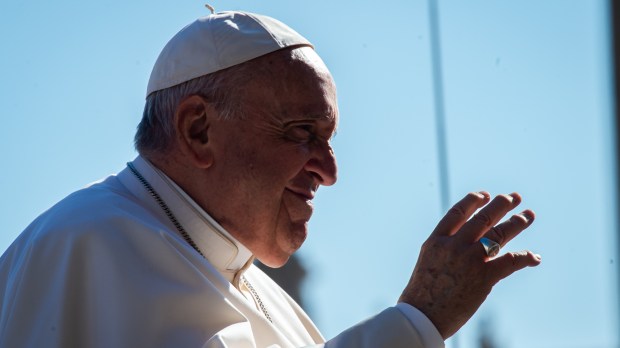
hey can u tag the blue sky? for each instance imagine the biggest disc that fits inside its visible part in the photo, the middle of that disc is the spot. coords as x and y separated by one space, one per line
528 109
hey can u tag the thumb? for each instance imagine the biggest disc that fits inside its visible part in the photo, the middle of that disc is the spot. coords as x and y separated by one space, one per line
507 264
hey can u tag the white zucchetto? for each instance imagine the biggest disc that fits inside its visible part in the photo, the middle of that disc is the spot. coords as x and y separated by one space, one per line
219 41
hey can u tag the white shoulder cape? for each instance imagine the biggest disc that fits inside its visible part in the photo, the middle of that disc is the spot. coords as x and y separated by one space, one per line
105 267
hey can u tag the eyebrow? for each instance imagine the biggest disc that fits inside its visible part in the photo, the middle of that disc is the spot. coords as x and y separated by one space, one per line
316 118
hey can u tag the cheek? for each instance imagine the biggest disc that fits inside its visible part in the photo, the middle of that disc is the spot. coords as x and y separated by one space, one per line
261 169
291 226
280 165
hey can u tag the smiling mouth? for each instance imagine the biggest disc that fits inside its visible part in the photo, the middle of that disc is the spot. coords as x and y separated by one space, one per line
306 195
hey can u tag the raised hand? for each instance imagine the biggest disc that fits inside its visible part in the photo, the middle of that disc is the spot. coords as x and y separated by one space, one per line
454 275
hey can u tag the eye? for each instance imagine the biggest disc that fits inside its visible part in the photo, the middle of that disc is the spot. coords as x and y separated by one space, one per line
301 133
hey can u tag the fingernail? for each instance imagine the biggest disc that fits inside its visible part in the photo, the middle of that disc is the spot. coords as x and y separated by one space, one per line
516 198
538 257
528 215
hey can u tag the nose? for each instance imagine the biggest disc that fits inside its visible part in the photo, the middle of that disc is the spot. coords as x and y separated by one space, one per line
322 164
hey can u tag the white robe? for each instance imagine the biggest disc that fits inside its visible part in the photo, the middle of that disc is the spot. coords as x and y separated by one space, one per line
105 267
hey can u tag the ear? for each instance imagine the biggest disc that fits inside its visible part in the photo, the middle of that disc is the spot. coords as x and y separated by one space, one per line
193 118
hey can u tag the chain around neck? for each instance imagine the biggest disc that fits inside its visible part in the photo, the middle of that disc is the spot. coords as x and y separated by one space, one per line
165 208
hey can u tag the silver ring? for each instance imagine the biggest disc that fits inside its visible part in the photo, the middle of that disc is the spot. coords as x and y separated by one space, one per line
490 247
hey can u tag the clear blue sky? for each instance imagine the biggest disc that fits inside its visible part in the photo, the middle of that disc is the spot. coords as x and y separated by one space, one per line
528 109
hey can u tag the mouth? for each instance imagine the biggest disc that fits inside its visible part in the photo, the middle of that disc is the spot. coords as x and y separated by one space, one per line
299 206
307 195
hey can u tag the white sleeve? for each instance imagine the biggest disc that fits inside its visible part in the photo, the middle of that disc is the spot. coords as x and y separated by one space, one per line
428 332
390 328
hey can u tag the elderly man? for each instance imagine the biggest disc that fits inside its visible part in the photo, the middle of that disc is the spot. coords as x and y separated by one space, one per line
234 143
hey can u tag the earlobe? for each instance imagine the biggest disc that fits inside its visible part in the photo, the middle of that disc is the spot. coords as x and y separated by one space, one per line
193 118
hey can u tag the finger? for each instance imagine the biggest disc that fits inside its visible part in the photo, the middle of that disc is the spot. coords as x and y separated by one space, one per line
488 216
507 230
460 212
507 264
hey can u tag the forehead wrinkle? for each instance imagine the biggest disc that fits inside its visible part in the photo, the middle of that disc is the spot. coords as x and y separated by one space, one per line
280 74
311 110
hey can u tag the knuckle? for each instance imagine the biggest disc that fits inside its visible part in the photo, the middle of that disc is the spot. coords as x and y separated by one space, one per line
474 196
512 257
461 208
519 220
504 199
457 210
483 219
437 246
498 234
517 258
433 243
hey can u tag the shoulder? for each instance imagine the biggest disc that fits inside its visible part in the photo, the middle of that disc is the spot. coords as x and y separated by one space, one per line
102 213
99 202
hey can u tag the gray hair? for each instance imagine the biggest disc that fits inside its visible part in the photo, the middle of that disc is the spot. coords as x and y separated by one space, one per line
223 88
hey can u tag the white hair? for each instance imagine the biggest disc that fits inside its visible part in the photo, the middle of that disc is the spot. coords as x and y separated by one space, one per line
224 89
156 130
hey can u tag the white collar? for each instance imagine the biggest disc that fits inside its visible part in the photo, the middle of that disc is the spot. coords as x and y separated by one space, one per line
219 247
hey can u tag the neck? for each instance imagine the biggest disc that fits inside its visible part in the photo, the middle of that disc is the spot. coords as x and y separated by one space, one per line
212 240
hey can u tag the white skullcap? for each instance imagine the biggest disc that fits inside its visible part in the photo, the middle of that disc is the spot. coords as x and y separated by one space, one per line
217 42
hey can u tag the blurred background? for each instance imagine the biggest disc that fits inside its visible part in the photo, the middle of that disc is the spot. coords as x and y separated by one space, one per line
524 89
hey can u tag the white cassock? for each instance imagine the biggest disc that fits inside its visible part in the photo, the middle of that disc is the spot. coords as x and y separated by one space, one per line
106 267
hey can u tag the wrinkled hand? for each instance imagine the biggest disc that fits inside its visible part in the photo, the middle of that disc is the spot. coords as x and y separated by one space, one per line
453 275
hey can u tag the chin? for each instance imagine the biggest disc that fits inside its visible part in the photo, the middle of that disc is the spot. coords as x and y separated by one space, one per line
278 258
275 262
287 240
